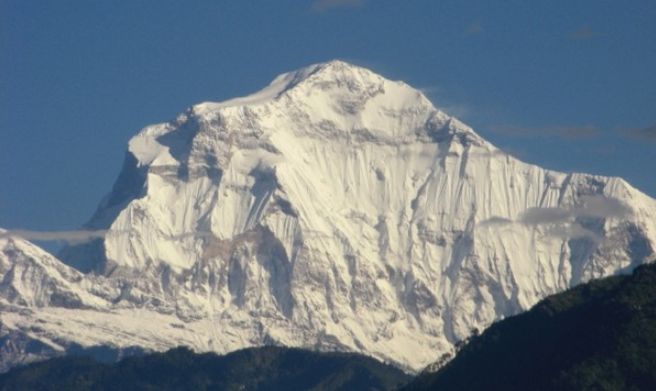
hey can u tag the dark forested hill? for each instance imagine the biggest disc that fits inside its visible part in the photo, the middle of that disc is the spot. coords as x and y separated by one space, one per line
598 336
267 368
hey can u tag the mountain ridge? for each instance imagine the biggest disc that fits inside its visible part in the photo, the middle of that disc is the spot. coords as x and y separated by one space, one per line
336 210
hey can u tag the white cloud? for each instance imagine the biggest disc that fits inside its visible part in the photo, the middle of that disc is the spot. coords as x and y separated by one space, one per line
72 237
495 221
646 134
572 231
474 29
325 5
603 207
592 206
584 32
564 132
562 222
536 216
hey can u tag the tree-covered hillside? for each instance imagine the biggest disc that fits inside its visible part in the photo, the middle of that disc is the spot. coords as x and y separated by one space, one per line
598 336
267 368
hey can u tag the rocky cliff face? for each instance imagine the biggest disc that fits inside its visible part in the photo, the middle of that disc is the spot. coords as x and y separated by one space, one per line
334 209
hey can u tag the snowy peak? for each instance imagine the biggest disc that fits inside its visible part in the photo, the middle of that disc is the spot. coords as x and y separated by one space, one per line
278 139
336 78
334 209
333 100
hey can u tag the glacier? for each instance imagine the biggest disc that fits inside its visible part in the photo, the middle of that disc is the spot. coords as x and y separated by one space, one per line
333 210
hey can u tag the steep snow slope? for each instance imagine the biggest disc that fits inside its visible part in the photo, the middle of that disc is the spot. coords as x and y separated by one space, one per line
336 209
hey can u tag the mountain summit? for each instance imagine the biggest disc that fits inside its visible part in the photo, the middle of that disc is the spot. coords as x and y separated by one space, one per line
332 210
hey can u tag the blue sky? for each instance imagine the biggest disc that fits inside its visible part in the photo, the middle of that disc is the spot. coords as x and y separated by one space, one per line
569 85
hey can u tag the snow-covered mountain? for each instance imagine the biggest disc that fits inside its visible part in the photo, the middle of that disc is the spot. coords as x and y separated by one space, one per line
334 209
